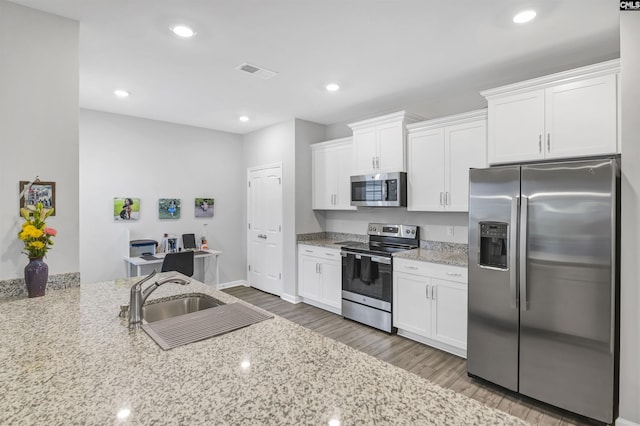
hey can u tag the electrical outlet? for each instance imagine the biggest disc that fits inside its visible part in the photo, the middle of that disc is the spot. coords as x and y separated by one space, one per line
450 231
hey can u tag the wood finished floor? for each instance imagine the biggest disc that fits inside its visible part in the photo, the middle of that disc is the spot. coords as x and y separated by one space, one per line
440 367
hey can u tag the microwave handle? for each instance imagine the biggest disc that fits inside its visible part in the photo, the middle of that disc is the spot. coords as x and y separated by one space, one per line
385 190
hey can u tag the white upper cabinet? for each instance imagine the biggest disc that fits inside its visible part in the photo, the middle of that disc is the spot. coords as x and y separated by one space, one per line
379 143
440 154
332 164
516 126
581 118
569 114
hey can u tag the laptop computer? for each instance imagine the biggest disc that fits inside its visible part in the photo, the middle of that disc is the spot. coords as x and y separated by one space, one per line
189 243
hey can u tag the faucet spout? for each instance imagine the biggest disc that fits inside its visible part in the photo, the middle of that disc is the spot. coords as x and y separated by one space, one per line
139 296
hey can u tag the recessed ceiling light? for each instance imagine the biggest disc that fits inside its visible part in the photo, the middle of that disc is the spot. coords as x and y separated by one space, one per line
183 31
524 16
332 87
121 93
243 118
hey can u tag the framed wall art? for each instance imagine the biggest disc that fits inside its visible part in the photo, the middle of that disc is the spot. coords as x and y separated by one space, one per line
39 192
204 207
169 208
126 209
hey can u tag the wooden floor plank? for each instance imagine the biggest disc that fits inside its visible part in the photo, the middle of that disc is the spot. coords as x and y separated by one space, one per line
433 364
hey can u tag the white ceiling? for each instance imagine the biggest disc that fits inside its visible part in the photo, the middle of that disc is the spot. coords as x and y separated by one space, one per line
428 56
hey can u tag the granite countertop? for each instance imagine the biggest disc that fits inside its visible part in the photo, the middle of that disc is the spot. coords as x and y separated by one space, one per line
444 257
432 251
332 244
330 239
68 359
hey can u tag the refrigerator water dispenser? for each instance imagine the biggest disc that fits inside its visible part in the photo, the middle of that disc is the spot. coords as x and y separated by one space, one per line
493 244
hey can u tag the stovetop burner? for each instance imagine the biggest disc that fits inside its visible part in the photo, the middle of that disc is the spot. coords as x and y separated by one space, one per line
385 239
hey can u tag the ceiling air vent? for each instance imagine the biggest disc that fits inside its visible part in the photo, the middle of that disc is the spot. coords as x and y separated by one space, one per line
257 71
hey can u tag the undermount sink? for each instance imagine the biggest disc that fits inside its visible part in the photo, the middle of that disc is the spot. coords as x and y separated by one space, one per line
160 309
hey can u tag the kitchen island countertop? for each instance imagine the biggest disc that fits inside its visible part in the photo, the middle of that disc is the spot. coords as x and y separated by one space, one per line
67 358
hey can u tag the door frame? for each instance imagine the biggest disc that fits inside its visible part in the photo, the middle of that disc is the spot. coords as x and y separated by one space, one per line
248 210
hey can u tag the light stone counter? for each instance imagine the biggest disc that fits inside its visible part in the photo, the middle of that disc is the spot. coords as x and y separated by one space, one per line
67 358
322 243
330 239
435 256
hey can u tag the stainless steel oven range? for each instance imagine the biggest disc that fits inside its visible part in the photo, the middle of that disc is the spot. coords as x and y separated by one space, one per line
367 271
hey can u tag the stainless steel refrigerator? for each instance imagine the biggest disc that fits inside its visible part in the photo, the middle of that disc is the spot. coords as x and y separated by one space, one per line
543 282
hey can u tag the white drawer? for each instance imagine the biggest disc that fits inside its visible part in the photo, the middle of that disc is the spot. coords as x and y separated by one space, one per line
319 251
433 270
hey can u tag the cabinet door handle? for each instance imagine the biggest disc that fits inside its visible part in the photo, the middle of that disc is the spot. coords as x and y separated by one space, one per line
426 292
446 198
373 162
317 269
540 144
433 292
377 162
548 142
441 198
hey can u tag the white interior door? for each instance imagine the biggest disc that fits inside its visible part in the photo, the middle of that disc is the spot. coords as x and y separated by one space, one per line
264 217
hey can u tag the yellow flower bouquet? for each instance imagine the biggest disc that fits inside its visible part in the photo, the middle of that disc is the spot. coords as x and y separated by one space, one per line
37 238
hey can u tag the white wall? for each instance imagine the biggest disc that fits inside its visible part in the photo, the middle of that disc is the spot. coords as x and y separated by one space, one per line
271 145
630 269
123 156
307 133
38 129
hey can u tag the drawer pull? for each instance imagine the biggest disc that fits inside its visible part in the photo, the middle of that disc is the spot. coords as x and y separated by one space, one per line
309 251
454 274
411 267
330 254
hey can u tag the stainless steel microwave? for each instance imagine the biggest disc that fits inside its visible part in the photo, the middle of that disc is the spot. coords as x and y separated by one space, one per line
379 190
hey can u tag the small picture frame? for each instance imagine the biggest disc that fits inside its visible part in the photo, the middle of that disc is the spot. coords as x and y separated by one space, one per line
39 192
169 208
203 207
126 209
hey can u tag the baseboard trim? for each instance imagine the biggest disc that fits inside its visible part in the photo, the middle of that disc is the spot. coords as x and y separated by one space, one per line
433 343
230 284
624 422
337 311
291 299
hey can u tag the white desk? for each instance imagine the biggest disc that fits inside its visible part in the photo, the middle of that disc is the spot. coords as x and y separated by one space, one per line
139 263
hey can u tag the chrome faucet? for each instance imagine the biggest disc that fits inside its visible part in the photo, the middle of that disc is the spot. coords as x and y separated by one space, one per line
138 296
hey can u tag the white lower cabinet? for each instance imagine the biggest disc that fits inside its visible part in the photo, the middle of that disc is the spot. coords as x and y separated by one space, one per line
320 277
430 304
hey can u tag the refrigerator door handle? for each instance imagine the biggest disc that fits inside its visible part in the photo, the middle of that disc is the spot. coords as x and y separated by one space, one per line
524 207
513 252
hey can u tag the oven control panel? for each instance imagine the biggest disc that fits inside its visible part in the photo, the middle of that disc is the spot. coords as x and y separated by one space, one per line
391 230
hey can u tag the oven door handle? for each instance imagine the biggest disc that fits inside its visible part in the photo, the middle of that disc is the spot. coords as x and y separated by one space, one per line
375 259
